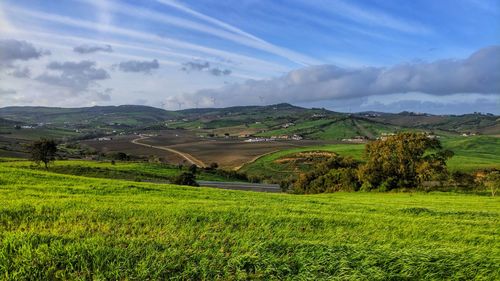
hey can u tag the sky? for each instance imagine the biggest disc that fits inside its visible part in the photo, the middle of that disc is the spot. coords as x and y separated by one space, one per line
439 57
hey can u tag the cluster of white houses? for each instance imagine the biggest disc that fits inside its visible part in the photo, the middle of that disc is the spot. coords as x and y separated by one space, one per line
274 138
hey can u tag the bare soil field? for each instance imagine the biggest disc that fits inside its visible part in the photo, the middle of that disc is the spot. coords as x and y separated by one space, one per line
124 144
173 137
228 153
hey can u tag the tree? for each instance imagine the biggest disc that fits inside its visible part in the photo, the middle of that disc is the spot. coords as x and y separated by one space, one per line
193 169
403 160
213 166
44 151
185 179
493 182
335 174
121 156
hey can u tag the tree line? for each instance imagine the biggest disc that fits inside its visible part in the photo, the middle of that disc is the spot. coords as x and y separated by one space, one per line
404 161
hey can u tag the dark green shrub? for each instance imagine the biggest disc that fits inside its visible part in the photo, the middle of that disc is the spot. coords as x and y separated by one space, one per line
185 179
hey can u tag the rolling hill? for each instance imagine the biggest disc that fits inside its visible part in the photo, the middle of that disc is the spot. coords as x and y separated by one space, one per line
128 115
475 123
263 121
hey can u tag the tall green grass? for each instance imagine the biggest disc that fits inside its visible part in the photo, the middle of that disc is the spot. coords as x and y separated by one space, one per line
56 226
136 171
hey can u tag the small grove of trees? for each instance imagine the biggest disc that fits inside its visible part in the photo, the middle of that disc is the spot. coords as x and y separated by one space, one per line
405 160
43 151
335 174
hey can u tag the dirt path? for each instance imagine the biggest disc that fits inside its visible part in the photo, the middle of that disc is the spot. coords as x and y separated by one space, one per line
254 159
186 156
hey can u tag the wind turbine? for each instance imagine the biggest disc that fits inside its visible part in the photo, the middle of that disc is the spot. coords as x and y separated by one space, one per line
213 100
196 103
261 98
180 104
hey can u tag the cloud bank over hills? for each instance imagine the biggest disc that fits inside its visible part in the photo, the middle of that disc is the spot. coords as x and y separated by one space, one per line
478 74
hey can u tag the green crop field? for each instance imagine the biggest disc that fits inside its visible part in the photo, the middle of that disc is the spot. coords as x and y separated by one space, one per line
136 171
55 226
471 153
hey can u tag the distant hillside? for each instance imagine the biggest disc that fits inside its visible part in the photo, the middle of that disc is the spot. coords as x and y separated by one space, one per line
335 127
474 123
265 121
9 123
129 115
255 112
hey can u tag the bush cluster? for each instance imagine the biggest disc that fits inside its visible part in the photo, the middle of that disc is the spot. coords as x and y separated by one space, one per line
406 160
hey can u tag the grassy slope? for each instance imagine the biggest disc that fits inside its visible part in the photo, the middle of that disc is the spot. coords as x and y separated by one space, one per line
37 133
136 171
340 128
268 168
471 153
79 228
124 113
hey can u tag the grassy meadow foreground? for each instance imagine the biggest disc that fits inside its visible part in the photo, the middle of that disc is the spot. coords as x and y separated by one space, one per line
69 227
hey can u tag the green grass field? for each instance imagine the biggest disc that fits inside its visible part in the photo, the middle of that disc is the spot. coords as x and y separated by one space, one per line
135 171
266 166
37 133
55 226
471 153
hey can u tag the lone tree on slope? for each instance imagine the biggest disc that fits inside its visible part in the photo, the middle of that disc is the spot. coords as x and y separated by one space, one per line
44 151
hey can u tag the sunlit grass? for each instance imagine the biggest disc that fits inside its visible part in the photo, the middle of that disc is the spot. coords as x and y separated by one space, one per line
69 227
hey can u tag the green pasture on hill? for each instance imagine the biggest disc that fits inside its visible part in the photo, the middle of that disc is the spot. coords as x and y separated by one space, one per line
471 153
267 167
55 226
37 133
135 171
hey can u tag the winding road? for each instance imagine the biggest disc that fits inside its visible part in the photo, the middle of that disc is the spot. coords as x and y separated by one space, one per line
191 159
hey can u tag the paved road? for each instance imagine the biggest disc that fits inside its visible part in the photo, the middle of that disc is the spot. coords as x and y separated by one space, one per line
259 187
186 156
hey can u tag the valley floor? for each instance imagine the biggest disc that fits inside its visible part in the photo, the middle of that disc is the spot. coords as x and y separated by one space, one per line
55 226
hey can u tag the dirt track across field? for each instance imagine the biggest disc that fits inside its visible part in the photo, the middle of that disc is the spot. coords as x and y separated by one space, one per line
186 156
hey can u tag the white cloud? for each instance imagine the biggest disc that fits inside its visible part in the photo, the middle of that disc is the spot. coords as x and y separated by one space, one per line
76 76
4 22
479 73
372 17
254 41
138 66
23 72
14 50
194 49
88 49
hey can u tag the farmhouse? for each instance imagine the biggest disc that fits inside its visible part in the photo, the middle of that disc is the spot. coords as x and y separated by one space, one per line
258 140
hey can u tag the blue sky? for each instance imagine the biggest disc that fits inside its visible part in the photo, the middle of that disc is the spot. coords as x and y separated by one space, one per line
387 55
